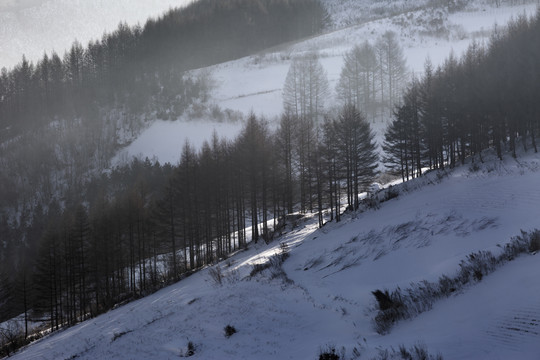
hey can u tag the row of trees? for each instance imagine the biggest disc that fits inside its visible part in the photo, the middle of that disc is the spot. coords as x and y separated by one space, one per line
306 88
228 29
485 99
373 76
372 79
146 225
59 247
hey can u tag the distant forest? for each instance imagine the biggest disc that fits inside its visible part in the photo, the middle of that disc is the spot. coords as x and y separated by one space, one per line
488 98
138 67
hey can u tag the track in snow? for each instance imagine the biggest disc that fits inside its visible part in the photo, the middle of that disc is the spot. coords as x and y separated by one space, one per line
517 328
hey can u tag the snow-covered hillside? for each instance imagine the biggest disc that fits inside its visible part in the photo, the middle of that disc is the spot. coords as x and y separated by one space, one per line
321 295
255 83
32 27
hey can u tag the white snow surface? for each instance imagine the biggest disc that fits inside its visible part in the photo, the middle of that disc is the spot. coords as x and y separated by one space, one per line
424 233
163 140
32 27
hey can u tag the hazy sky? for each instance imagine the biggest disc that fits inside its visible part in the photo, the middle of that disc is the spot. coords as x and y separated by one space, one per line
32 27
9 5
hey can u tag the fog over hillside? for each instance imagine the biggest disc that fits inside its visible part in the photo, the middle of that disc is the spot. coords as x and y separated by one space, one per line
31 27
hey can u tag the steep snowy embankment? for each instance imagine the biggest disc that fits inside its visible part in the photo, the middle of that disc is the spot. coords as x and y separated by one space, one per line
322 293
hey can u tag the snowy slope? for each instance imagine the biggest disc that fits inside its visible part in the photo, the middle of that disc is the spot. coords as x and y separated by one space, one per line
32 27
255 83
323 296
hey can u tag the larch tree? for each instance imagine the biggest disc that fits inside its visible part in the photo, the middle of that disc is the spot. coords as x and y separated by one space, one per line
306 88
284 143
357 84
393 70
